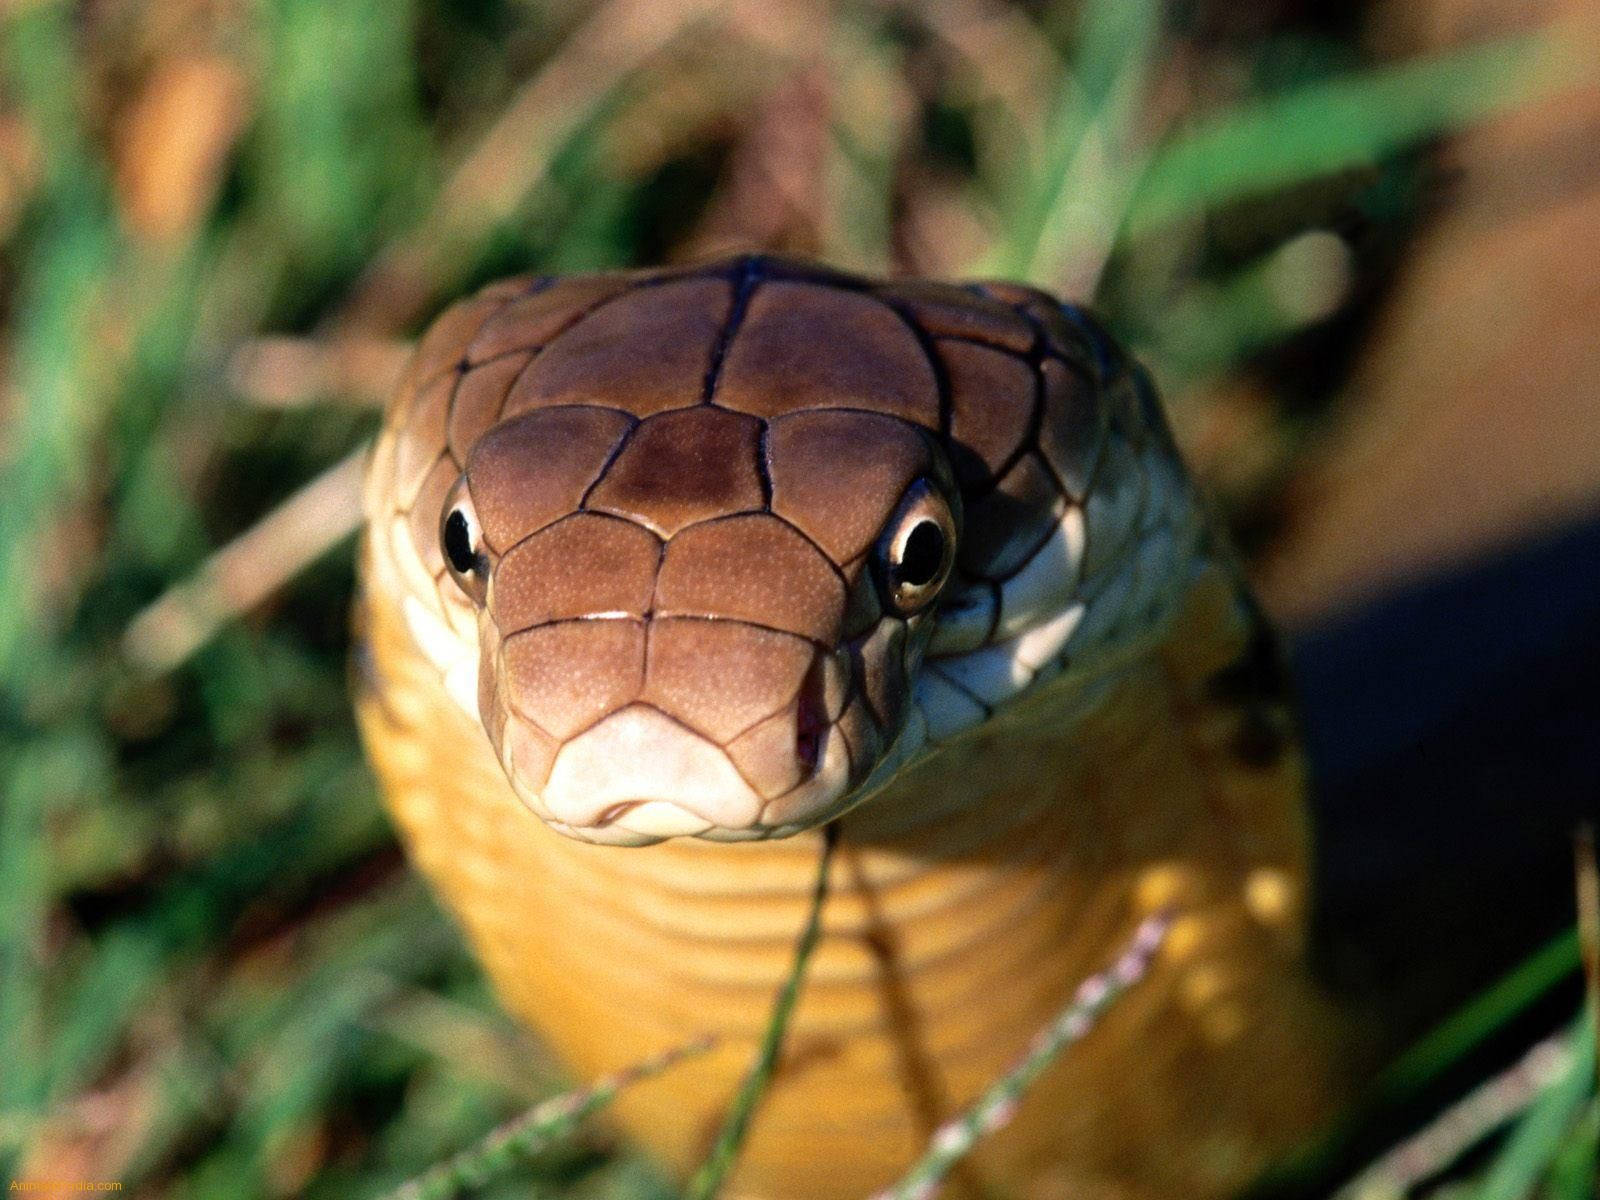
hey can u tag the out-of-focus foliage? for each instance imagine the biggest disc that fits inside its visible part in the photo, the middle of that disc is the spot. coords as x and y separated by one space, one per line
220 220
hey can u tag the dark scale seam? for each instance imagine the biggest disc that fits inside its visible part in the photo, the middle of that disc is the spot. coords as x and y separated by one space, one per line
941 377
810 541
461 365
1030 442
806 537
627 618
1099 344
655 588
504 354
973 339
856 408
1030 439
815 643
688 525
499 407
749 274
605 467
1100 445
737 769
450 415
783 270
858 670
988 709
1034 357
1064 503
578 318
527 537
792 698
406 509
764 463
1040 338
643 682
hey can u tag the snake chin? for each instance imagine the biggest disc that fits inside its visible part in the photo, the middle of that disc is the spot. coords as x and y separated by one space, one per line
637 778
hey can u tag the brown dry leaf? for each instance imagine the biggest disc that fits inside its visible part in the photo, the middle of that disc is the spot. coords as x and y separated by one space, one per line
1474 420
175 142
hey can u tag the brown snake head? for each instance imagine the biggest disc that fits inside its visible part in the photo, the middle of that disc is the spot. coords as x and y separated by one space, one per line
716 551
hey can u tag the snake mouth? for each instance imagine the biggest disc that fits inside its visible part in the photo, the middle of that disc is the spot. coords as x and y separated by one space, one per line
638 777
637 822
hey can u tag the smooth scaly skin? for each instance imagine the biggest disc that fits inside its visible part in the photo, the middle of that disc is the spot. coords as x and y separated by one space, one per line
1084 727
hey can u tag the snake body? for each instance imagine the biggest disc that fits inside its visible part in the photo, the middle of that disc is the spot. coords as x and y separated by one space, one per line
695 561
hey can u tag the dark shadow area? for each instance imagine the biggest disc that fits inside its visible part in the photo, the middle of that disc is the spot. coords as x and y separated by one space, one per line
1454 733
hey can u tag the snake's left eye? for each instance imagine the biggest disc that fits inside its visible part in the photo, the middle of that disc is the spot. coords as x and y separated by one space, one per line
917 550
458 543
461 541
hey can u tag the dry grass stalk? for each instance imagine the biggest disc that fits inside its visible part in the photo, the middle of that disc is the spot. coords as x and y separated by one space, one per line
249 569
287 372
1464 1124
1588 872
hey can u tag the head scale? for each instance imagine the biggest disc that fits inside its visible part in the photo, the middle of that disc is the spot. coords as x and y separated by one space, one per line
684 541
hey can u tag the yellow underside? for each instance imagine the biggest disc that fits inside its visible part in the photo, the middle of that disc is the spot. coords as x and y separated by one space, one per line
949 942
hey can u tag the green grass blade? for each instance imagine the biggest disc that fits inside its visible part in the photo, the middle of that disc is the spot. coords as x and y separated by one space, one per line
992 1110
1323 128
708 1179
530 1133
1489 1011
1080 185
1574 1169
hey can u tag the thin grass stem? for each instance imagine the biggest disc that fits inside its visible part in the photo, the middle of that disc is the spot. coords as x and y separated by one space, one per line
709 1178
1588 888
994 1109
1464 1124
534 1131
250 568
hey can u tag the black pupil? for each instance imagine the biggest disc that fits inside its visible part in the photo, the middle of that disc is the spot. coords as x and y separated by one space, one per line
921 556
458 543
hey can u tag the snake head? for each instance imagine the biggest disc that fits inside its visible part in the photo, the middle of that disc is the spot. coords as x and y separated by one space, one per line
693 538
683 627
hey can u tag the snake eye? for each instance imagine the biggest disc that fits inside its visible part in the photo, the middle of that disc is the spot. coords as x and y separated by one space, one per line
462 544
458 543
917 550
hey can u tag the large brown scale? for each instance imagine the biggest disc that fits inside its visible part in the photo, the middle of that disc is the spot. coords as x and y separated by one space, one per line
653 532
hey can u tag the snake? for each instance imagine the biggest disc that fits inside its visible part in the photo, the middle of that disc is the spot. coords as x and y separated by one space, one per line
667 573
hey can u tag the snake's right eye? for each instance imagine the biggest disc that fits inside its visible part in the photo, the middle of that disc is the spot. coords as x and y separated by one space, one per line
917 550
462 544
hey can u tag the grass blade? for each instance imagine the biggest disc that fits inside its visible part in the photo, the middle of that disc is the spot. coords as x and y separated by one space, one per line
709 1178
956 1138
532 1132
1464 1124
1074 203
1538 1137
1322 128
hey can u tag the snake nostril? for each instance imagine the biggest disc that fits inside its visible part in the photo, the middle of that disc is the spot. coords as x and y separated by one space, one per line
811 719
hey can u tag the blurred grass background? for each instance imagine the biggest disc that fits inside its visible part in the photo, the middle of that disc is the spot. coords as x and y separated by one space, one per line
220 222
